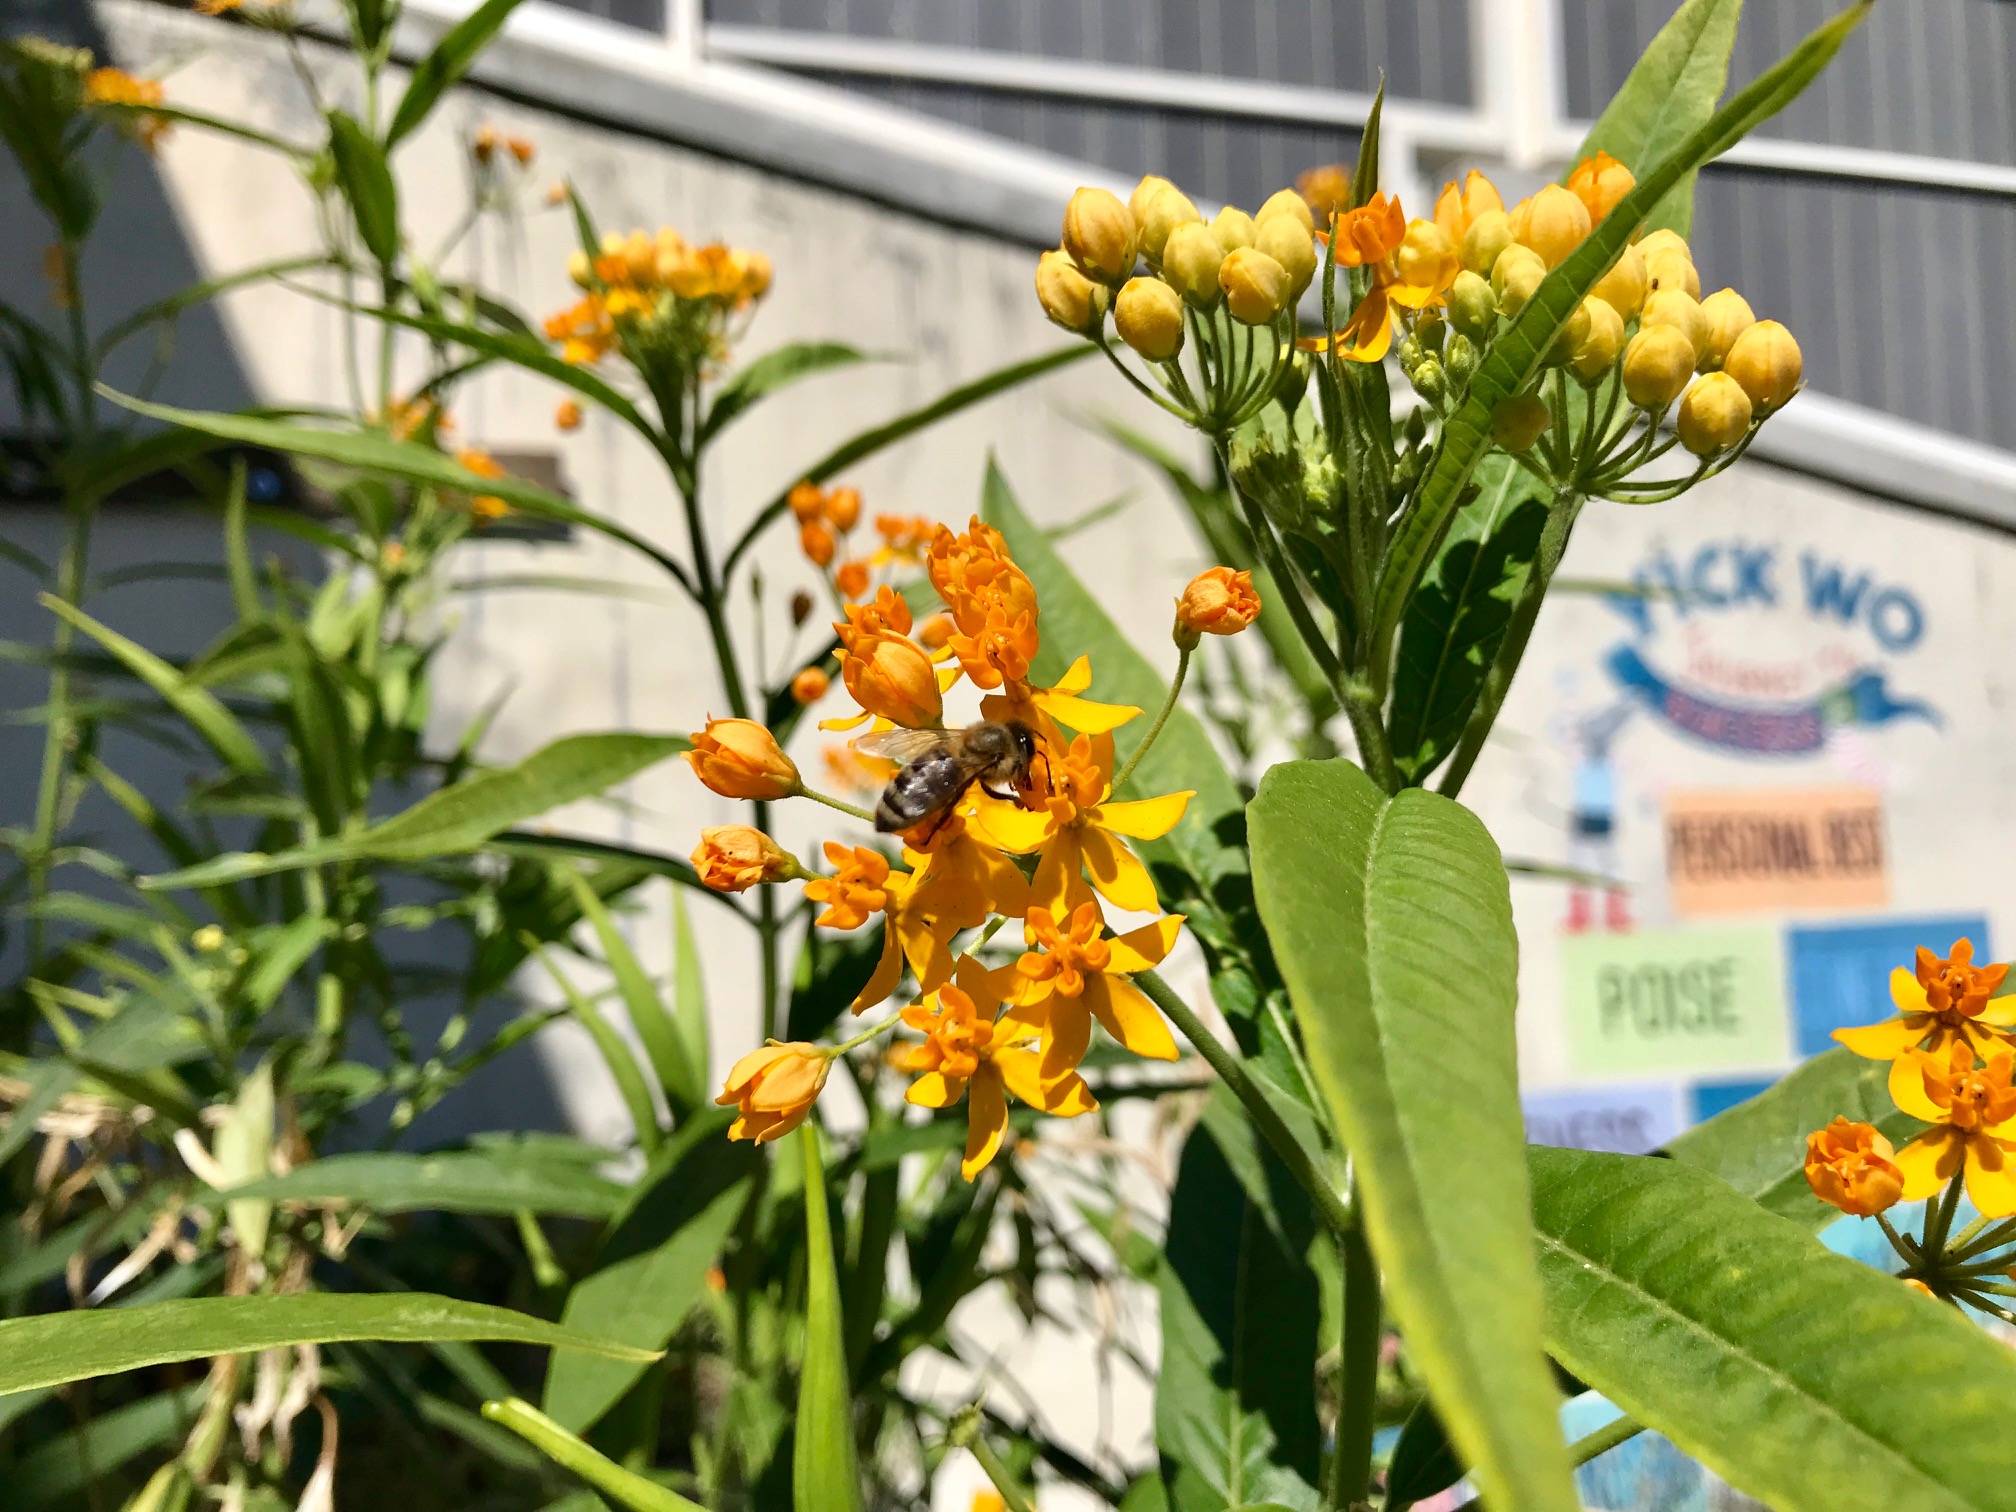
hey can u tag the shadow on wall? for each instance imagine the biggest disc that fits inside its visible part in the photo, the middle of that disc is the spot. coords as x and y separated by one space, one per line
157 571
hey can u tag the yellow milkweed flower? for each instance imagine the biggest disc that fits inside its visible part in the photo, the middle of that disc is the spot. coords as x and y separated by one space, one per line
974 1050
1074 973
1972 1111
773 1089
1941 1001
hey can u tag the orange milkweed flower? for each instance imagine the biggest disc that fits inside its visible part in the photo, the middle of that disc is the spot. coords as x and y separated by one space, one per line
1972 1111
972 1049
773 1089
1413 264
991 601
906 540
1074 973
1851 1166
815 539
481 463
735 857
739 758
1941 1001
863 884
961 879
586 331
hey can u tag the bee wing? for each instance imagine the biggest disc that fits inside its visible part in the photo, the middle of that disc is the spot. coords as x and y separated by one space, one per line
902 746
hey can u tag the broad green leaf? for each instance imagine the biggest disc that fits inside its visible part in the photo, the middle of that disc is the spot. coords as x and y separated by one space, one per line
865 445
76 1460
684 1084
449 61
769 373
1669 92
367 183
1457 619
653 1267
1808 1380
489 1180
204 713
823 1477
1391 920
460 818
1235 1419
621 1486
1517 352
53 1348
1759 1146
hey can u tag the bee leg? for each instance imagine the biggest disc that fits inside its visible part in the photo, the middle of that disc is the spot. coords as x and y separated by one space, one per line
938 824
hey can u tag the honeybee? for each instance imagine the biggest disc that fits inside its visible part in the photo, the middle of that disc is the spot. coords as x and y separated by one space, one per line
939 765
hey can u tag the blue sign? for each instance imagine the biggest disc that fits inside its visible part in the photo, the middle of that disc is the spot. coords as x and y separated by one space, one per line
1625 1120
1715 1097
1840 973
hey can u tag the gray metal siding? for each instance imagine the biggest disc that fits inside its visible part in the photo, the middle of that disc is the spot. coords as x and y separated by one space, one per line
646 15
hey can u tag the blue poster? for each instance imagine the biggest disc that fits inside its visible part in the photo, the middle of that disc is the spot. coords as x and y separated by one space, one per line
1840 973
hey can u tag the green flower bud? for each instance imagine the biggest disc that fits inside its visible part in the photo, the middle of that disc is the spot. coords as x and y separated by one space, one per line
1068 297
1099 235
1287 202
1256 287
1765 361
1190 262
1459 359
1167 209
1473 308
1149 316
1428 380
1489 235
1728 315
1431 330
1657 365
1518 422
1714 415
1290 244
1517 276
1234 228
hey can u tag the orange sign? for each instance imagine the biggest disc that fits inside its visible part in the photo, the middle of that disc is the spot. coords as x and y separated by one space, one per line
1773 848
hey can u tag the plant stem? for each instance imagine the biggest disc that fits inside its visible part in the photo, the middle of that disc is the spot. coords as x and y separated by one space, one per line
1168 706
1939 1220
1232 1071
1608 1437
1357 1366
834 803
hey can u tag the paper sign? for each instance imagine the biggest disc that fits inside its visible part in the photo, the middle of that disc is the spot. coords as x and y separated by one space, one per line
1632 1120
1675 1001
1775 848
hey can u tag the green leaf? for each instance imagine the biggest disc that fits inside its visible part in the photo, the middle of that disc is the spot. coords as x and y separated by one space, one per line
1423 1462
367 183
491 1180
652 1270
604 1474
449 61
1391 921
1516 354
684 1084
771 372
460 818
1804 1378
1455 623
689 993
169 309
54 1348
204 713
823 1477
1235 1419
1669 93
1759 1146
616 1055
76 1460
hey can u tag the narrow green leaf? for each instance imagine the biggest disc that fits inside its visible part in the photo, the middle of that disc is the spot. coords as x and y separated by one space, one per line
1804 1378
683 1083
74 1461
823 1477
167 310
1759 1146
1669 93
621 1486
448 62
1391 920
54 1348
367 183
652 1270
1235 1420
616 1055
218 726
771 372
689 993
489 1180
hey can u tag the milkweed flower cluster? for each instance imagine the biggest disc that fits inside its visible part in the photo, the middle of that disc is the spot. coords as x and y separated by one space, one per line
1048 852
657 299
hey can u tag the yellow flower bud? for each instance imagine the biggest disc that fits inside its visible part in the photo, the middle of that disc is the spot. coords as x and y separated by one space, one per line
1728 315
1190 262
1149 316
640 257
772 1089
1518 422
1574 331
1652 243
1516 276
1427 258
1473 308
739 758
1657 365
734 858
1291 244
1489 235
1765 361
1068 297
1256 287
1099 235
1601 341
1676 308
1151 185
579 270
1234 228
1600 182
1554 225
1667 269
1714 415
1167 209
1287 202
1623 287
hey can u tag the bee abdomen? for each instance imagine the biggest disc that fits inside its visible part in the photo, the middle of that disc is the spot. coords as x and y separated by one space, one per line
916 792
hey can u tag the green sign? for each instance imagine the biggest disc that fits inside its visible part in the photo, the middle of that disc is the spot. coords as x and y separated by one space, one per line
1675 1001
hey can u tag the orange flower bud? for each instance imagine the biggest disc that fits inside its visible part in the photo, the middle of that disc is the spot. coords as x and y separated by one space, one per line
937 631
1326 189
1427 258
1851 1166
890 675
1728 315
817 542
772 1089
521 149
1665 239
1287 202
738 758
1623 287
810 685
1457 210
1218 601
568 415
1657 365
1149 317
1256 287
1765 360
806 502
735 857
1600 182
1099 235
1714 415
843 508
1068 297
1554 224
1518 422
851 578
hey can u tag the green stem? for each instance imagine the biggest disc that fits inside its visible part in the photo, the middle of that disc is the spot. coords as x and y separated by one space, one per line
568 1452
834 803
1357 1367
1232 1071
1608 1437
1168 707
1939 1220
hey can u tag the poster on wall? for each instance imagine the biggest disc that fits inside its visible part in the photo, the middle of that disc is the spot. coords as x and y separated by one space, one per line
1754 732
